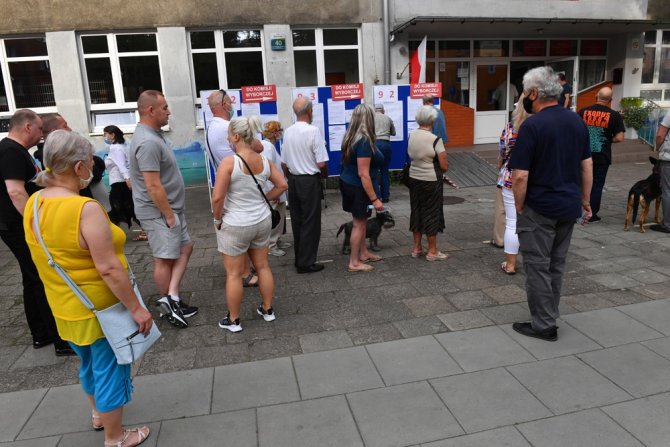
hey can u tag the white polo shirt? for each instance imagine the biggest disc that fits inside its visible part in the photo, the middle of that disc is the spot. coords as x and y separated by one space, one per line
217 137
303 148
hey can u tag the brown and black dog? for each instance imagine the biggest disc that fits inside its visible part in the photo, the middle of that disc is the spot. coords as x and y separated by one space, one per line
643 193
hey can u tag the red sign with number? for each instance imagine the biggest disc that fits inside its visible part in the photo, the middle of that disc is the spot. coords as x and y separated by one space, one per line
342 92
259 93
428 88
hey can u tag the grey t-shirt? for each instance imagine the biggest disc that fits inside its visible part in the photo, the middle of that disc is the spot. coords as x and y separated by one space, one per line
149 152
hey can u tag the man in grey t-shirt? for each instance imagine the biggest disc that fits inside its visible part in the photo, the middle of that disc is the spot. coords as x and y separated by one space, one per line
158 195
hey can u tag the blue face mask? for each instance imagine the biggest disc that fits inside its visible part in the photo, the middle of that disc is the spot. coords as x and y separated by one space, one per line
107 141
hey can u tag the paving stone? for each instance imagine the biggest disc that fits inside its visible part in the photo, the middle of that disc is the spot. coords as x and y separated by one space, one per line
506 294
468 319
609 327
506 314
575 285
570 341
15 409
167 361
37 357
236 428
411 359
503 437
434 286
417 327
660 346
654 291
646 419
653 314
335 372
483 348
425 306
325 341
470 300
577 429
488 399
49 418
633 367
602 265
270 349
378 313
65 373
566 384
51 441
89 437
403 414
323 422
473 281
341 318
616 280
588 301
374 334
9 355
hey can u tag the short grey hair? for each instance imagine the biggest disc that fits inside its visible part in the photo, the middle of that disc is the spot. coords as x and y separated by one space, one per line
428 99
62 150
544 80
426 115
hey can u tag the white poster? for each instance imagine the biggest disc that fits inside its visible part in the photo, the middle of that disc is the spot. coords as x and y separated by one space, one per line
235 98
309 92
251 108
412 126
318 118
385 93
394 111
335 137
412 105
336 113
267 118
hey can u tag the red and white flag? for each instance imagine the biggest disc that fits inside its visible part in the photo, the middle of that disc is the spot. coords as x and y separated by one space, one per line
418 64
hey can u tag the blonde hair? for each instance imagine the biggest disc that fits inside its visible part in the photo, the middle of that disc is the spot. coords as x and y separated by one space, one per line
271 127
362 125
62 150
519 114
246 127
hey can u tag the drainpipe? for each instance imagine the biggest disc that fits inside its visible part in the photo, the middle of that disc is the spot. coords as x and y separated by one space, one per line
387 47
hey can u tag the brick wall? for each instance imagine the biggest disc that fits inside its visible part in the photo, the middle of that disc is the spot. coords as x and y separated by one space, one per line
588 96
460 123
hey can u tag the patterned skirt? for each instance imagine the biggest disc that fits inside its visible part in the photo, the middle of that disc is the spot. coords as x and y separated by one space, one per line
427 215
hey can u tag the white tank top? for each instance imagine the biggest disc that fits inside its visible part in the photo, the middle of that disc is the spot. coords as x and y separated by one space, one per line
244 204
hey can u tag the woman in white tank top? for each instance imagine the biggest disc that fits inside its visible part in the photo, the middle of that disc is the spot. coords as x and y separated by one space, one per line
242 218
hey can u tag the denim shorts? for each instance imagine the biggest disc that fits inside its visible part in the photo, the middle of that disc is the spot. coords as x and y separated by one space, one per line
166 242
102 377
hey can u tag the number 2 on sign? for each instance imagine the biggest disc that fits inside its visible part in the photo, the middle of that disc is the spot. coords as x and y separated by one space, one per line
390 94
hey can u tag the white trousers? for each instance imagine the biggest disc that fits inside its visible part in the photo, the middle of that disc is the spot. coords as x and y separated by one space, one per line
511 239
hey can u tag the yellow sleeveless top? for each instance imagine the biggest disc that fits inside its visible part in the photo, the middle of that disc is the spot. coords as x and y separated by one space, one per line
59 219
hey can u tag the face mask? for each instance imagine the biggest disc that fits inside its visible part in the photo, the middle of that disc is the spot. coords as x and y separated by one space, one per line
528 105
107 141
83 183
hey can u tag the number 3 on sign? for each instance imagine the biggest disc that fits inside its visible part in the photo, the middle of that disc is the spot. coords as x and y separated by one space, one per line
386 93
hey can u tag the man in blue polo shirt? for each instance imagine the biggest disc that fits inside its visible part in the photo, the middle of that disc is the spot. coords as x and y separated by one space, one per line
553 174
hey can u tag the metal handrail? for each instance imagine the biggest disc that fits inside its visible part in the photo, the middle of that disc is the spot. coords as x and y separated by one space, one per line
648 132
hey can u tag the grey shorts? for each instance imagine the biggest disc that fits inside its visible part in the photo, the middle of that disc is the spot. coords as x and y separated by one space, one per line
166 242
235 241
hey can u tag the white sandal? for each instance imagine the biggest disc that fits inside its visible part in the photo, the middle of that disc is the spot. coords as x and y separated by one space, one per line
142 435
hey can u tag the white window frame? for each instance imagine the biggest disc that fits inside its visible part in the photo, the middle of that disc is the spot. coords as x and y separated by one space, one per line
220 51
320 49
114 55
9 89
664 87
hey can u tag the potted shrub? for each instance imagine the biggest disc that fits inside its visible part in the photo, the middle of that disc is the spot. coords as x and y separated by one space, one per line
636 111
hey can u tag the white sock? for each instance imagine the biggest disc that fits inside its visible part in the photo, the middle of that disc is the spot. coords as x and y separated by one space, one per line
175 297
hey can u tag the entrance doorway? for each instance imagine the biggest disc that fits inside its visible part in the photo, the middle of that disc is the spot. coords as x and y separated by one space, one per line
491 100
568 67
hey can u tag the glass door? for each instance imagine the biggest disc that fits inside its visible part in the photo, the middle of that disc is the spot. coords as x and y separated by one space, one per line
567 66
492 100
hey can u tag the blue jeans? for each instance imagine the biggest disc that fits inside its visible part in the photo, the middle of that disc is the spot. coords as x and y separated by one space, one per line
382 187
599 175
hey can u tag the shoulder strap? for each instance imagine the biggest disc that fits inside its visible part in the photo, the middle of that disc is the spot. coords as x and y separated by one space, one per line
255 181
209 147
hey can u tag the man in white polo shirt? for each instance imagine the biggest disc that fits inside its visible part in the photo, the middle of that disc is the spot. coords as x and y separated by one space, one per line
216 136
305 157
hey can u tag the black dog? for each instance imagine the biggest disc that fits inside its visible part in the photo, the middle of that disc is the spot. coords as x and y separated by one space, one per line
643 193
372 230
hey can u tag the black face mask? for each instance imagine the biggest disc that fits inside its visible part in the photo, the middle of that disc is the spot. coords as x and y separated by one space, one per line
528 105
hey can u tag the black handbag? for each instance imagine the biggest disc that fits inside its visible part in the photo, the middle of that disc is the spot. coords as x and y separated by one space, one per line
276 217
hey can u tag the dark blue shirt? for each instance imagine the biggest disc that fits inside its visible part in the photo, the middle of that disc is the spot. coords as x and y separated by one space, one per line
551 146
361 149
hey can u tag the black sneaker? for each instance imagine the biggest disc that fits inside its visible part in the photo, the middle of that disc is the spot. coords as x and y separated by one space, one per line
231 325
169 309
595 218
268 315
186 310
527 330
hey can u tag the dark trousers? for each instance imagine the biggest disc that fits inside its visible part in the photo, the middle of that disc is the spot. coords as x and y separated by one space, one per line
544 245
599 176
38 313
383 186
304 197
665 193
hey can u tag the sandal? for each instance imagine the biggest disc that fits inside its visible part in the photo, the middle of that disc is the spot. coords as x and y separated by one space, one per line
363 268
371 258
503 267
418 254
131 437
141 237
96 421
493 242
438 257
246 282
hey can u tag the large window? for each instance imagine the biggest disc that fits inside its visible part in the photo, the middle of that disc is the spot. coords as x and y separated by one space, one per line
656 66
118 67
326 56
25 78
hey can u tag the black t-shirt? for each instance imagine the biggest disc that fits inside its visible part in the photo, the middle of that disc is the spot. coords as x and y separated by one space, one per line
566 92
551 146
603 124
15 164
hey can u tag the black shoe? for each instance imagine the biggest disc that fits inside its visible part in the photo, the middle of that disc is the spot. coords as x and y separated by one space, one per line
660 228
169 310
63 349
38 344
527 330
186 310
311 269
595 218
385 200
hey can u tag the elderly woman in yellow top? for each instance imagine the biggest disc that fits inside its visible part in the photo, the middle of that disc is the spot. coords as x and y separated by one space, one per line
82 240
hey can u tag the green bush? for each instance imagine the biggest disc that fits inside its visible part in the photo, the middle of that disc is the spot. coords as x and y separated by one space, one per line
636 111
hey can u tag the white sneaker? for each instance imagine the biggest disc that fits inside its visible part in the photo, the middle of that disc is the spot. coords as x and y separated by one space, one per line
276 252
231 325
268 315
282 244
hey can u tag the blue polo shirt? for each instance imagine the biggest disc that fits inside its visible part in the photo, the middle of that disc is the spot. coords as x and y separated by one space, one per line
551 146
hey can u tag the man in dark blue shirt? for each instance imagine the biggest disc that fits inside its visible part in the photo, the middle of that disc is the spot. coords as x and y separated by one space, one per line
552 185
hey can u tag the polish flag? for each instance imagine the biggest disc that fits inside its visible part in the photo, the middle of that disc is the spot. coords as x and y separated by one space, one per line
418 64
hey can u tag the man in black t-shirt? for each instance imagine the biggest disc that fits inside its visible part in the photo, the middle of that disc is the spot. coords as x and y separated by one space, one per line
17 169
566 92
552 186
605 127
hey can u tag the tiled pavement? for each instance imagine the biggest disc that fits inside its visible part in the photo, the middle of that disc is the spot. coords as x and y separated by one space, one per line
407 355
